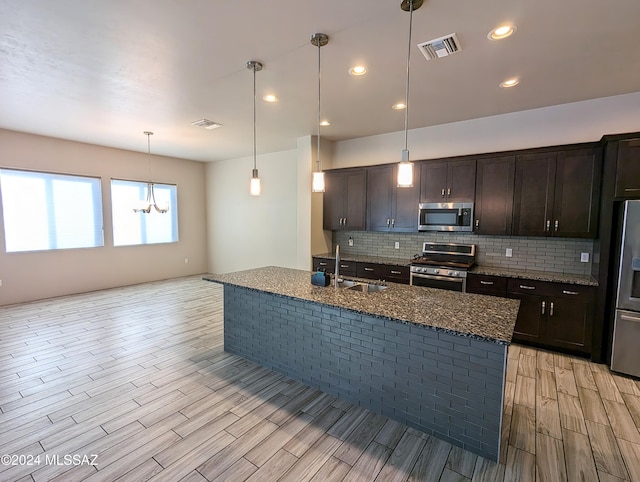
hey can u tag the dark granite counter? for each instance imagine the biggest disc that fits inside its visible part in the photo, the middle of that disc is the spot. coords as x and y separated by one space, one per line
574 279
359 258
477 316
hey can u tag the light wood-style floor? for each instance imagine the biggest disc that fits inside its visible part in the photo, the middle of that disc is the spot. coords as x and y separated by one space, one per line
137 376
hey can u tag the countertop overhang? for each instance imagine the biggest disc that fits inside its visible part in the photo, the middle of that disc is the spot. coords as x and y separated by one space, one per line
483 317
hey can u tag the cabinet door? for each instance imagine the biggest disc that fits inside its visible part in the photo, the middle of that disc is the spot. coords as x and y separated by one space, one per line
433 182
487 285
324 264
569 324
533 194
577 193
379 200
332 201
494 195
355 201
628 169
461 181
405 204
531 318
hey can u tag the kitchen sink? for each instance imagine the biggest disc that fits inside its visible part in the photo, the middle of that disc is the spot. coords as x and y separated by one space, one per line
367 288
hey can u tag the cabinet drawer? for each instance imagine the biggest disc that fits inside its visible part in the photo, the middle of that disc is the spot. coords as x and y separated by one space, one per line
398 274
529 287
324 264
486 285
570 292
347 268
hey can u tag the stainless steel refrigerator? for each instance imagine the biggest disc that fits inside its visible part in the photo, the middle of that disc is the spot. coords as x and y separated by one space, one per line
625 351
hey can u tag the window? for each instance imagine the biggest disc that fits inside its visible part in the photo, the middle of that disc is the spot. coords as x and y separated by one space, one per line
43 211
131 228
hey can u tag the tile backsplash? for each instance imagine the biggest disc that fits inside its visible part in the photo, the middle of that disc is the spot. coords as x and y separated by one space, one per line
560 255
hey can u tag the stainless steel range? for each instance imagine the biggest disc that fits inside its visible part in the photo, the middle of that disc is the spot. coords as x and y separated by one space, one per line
443 265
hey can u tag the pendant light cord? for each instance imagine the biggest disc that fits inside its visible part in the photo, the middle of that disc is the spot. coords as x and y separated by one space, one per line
406 95
254 118
318 140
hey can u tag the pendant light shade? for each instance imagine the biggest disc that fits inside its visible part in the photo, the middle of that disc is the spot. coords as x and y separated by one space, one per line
149 202
317 185
255 187
405 168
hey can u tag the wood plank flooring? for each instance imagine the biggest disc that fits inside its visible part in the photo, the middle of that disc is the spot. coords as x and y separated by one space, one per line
138 378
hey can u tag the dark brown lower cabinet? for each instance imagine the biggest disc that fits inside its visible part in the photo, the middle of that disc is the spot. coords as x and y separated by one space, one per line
376 271
557 316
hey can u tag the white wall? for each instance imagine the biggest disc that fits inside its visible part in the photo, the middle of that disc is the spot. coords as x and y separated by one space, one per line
585 121
246 231
44 274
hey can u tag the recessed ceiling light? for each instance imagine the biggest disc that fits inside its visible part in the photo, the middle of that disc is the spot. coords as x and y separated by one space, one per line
503 31
509 83
270 98
357 70
399 106
207 124
325 123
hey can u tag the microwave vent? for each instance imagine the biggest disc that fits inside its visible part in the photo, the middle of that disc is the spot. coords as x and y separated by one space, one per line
440 47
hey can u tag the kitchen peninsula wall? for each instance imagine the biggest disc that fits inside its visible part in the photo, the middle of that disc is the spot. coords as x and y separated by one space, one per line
559 255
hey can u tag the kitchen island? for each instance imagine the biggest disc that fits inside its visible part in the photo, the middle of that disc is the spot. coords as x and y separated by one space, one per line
434 360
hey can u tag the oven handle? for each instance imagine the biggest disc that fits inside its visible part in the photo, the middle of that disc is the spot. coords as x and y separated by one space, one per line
439 278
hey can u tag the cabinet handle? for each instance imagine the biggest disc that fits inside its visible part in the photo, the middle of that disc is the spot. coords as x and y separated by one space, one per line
442 192
548 225
393 222
449 192
551 309
396 272
632 189
322 264
388 221
368 269
525 287
565 292
344 265
477 223
556 225
345 221
341 220
486 282
544 305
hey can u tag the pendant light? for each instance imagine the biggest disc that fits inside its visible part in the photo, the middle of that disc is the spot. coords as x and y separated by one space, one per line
317 184
150 201
255 188
405 167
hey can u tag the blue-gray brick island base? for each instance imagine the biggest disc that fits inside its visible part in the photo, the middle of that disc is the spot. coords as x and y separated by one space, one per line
446 383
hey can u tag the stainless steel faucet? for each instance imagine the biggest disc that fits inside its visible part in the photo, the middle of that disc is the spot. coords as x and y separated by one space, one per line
337 271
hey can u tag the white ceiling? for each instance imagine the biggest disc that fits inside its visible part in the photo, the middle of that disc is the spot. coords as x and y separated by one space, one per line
104 71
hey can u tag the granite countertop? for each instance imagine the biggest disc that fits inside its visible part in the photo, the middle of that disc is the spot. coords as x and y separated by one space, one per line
484 317
575 279
360 258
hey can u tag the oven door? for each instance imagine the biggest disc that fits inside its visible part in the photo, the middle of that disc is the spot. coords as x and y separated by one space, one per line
440 282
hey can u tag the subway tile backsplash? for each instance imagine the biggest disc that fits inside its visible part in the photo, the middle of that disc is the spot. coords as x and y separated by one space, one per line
560 255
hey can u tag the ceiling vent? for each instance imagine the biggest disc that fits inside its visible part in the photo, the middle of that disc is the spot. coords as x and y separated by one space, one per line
440 47
206 123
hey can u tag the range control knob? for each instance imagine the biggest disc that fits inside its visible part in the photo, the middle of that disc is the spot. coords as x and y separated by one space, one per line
423 270
436 271
455 273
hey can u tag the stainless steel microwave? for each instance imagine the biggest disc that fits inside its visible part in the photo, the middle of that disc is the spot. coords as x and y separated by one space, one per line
445 217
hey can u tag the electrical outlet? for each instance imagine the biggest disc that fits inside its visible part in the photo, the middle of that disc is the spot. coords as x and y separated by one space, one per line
186 260
509 252
350 241
584 257
397 245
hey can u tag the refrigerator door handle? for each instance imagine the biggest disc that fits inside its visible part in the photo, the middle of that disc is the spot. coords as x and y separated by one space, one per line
630 318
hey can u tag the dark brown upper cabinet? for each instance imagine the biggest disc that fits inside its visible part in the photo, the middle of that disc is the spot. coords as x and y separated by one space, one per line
628 169
448 181
556 193
389 207
344 200
494 195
